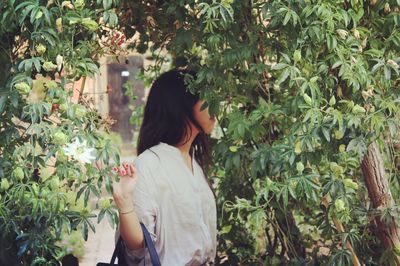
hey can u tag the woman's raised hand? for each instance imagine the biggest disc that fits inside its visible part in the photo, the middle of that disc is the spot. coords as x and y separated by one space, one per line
122 190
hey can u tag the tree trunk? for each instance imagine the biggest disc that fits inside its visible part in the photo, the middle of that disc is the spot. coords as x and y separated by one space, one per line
379 193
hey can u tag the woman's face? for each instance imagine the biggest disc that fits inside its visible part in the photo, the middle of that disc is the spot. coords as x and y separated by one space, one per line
203 117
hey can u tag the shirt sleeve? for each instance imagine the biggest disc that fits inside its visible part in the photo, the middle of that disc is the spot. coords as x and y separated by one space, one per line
145 208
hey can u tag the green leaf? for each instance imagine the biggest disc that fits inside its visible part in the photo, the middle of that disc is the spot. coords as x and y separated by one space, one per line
337 64
388 72
107 4
3 101
283 76
287 18
331 41
101 215
279 66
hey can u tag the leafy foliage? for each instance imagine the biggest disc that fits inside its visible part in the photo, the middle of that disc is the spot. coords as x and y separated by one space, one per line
300 89
47 49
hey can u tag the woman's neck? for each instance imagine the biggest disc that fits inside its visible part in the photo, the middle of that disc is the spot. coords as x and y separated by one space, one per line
186 144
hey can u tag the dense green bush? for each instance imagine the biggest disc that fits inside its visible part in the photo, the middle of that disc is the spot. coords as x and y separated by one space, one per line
49 138
301 88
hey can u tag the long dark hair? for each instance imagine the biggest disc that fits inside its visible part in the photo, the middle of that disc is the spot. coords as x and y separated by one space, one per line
167 114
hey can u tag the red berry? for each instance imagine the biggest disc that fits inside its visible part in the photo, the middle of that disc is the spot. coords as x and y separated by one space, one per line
55 107
116 169
122 172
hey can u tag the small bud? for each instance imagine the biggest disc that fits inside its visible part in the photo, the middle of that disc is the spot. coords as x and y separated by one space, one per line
342 148
339 205
40 48
338 134
59 24
297 55
23 88
18 173
350 183
49 66
332 101
300 167
54 183
336 169
233 148
106 203
60 138
4 185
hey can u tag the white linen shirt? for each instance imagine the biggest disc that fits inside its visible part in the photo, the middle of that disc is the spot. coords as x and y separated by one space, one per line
177 207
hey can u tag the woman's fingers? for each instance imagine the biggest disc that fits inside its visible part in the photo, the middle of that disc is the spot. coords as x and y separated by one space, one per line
124 187
128 170
122 172
132 169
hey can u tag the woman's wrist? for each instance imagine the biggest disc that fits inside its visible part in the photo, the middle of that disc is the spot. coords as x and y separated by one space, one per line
123 203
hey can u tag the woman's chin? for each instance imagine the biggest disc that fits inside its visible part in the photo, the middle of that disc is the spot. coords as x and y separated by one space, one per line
209 130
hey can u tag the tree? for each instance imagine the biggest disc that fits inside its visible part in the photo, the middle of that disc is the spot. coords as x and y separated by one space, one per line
301 90
49 138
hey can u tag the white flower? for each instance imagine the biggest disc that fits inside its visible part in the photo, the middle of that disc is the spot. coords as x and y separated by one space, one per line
79 151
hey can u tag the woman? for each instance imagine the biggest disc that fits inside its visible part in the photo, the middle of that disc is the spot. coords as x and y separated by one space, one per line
167 189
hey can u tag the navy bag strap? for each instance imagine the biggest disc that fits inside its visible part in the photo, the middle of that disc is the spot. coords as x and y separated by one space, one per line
155 260
119 250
